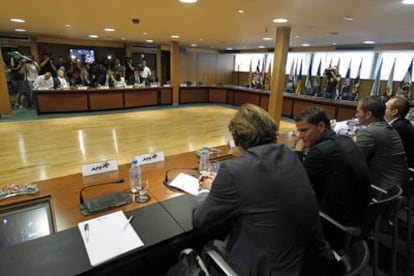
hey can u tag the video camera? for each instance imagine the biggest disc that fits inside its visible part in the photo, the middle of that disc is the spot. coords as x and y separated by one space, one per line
329 71
16 59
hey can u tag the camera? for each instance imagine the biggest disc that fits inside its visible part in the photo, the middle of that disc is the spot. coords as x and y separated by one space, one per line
329 71
16 59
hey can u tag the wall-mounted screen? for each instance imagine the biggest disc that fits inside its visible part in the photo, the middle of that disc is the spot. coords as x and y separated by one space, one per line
25 221
76 55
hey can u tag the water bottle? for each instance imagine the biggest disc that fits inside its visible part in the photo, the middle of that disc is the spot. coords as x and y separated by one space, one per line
134 176
204 159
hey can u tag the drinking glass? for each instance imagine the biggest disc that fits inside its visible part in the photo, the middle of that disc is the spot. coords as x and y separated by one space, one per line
143 187
213 167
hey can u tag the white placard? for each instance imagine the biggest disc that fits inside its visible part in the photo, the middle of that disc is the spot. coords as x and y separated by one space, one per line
99 167
149 158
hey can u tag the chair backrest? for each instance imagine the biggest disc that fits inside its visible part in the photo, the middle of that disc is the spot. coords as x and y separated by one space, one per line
354 260
375 209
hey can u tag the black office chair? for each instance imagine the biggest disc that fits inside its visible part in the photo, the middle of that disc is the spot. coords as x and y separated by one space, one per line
354 260
389 202
408 206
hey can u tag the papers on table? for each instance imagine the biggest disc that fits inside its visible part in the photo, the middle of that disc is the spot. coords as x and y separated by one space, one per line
108 236
186 183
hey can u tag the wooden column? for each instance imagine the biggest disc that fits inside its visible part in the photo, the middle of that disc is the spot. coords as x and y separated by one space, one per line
278 76
5 106
175 71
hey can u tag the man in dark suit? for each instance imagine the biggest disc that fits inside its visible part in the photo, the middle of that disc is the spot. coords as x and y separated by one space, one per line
267 196
107 79
381 145
395 112
337 171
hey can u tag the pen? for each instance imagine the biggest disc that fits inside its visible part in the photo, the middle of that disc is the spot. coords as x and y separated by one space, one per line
127 222
86 229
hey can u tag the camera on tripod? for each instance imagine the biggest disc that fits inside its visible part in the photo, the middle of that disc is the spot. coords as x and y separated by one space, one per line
329 71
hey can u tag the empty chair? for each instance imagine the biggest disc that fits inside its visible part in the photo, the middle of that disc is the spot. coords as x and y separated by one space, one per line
354 260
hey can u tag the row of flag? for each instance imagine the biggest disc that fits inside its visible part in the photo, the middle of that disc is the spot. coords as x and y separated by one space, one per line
260 79
312 84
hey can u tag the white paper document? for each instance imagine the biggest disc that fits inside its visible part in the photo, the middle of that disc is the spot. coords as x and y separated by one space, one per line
186 183
108 236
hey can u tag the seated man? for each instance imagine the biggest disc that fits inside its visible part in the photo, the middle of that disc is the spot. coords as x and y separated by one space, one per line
44 81
337 171
336 167
395 112
61 81
381 145
267 196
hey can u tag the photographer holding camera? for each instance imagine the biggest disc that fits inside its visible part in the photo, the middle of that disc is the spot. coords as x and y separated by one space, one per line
18 65
333 78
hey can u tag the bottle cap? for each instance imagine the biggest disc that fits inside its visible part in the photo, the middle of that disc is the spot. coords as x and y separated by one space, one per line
135 161
205 147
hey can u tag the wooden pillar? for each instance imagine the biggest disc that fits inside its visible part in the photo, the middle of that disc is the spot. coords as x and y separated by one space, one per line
175 71
5 106
278 76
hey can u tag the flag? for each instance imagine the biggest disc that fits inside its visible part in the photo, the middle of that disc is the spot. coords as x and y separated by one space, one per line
376 85
347 82
250 74
291 78
299 84
338 75
317 81
308 81
355 87
388 89
405 85
268 77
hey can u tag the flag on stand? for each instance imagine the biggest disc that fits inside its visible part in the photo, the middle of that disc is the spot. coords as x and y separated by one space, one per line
376 85
291 78
338 75
390 82
405 85
355 87
268 77
250 74
308 81
299 83
317 81
346 83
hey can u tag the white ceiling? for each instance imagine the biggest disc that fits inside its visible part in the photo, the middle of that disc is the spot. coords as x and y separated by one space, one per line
215 23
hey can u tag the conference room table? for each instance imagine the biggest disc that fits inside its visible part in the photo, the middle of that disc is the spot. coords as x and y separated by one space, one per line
166 218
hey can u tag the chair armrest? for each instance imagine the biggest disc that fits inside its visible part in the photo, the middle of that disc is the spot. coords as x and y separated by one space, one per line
221 262
352 230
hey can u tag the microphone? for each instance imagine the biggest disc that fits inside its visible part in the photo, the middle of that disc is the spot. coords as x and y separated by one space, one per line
167 180
103 202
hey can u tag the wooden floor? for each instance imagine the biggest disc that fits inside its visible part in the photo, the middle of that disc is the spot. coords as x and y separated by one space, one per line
44 149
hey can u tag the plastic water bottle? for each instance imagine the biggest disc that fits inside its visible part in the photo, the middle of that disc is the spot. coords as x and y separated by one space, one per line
204 159
134 177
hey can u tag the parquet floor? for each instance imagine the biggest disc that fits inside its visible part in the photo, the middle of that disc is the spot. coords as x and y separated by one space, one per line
44 149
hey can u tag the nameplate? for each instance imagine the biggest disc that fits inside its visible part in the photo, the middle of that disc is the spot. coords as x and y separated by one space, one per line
99 167
149 158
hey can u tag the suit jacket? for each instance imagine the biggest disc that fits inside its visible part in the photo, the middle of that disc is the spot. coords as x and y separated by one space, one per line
384 153
339 176
406 131
102 80
276 228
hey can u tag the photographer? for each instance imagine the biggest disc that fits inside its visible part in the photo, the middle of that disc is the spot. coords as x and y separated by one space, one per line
129 68
145 72
18 65
47 64
333 78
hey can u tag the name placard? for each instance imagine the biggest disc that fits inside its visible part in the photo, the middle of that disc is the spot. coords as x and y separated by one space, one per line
151 157
99 167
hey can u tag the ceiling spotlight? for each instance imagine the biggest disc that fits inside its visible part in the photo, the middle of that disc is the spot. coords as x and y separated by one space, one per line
407 2
193 45
17 20
188 1
149 40
369 42
280 20
67 25
93 36
229 49
305 45
241 11
267 38
349 18
175 36
261 47
109 30
20 30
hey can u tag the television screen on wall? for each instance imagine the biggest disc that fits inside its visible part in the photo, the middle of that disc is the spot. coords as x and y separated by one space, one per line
76 54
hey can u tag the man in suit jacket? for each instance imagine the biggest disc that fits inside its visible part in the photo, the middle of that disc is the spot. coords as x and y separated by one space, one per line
107 79
396 109
337 171
267 196
381 145
336 167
